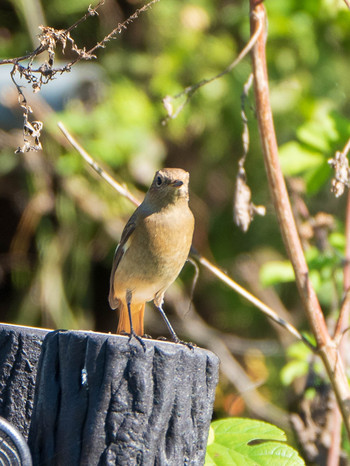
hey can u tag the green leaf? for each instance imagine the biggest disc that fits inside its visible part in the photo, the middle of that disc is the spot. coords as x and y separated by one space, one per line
274 272
318 134
317 177
292 370
8 161
317 260
296 158
338 241
246 442
300 357
299 350
324 130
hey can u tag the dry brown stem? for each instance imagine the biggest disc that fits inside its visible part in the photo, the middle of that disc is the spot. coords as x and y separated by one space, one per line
327 348
243 208
50 38
339 336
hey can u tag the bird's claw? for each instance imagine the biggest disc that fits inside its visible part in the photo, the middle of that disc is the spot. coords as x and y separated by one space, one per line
189 344
132 334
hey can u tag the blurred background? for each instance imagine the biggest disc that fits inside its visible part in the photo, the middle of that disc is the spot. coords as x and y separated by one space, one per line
60 223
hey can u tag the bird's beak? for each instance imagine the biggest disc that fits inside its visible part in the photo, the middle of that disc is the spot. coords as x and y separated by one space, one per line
176 183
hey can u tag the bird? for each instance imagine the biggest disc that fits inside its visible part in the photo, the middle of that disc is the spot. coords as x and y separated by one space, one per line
153 248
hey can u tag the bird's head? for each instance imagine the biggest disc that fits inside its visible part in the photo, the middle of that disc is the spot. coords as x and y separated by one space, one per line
169 185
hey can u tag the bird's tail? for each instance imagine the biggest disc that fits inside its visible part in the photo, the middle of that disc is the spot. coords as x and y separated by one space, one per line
137 312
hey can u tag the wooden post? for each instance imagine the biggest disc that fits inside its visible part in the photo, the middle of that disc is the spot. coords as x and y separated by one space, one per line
85 398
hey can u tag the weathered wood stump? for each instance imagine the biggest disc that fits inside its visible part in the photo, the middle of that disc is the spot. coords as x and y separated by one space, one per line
84 398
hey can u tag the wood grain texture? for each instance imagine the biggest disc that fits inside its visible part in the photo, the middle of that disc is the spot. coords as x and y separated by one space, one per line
20 349
102 400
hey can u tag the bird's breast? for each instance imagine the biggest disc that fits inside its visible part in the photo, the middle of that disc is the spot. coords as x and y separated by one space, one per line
168 234
155 253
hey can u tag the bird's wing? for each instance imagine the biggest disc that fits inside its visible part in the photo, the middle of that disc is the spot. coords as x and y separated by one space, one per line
119 252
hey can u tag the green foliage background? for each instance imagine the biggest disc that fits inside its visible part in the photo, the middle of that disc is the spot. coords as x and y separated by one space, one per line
60 223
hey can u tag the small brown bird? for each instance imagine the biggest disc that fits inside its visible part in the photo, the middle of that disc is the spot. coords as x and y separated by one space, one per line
154 246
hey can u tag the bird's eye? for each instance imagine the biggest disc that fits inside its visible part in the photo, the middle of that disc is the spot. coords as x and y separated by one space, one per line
159 180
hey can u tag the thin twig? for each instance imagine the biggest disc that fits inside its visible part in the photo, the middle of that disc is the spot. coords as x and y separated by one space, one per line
206 263
43 47
347 250
92 11
49 39
51 36
342 325
120 27
333 455
31 129
93 164
327 348
190 90
344 314
197 329
194 281
340 329
251 298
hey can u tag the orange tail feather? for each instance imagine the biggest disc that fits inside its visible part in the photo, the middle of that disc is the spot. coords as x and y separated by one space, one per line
137 313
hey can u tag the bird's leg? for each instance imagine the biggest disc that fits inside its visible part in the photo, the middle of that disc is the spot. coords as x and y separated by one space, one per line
132 331
175 338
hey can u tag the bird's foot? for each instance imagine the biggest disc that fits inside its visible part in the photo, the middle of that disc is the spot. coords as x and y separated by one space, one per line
189 344
132 334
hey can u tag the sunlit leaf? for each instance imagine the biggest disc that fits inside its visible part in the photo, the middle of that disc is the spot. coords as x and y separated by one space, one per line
274 272
317 177
292 370
337 240
246 442
296 158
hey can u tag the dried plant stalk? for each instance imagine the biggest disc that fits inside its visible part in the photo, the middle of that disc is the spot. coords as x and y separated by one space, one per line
327 348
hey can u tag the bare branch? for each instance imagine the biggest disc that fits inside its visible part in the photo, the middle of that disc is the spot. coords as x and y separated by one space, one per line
123 25
190 90
251 298
196 328
88 54
49 39
93 164
339 333
45 45
31 130
344 314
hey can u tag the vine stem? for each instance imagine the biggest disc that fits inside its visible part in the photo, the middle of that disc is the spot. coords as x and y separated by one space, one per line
326 346
340 329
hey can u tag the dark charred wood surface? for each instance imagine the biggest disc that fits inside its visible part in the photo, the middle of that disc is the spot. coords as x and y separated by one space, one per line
85 398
